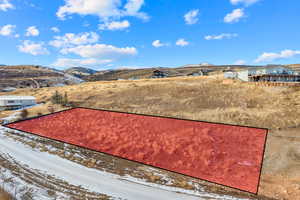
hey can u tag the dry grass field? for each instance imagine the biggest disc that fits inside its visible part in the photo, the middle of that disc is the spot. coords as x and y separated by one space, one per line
209 99
199 98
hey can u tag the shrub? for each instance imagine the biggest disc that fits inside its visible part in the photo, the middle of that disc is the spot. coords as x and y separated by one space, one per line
24 114
51 109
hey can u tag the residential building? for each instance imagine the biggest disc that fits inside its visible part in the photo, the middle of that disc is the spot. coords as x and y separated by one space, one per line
268 73
16 102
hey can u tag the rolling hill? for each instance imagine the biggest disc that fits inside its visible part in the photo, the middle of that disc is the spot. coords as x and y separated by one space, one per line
33 76
80 71
148 72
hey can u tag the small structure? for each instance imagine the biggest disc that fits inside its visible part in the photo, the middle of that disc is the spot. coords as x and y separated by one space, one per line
275 74
159 74
8 89
133 78
16 102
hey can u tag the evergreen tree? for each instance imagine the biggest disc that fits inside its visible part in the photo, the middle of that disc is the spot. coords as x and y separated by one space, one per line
65 100
57 98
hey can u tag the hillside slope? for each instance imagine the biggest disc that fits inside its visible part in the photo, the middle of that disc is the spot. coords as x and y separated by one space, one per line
148 72
80 71
29 76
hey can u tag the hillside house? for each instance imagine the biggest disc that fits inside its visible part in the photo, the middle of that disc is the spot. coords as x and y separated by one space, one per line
159 74
230 74
16 102
274 74
199 73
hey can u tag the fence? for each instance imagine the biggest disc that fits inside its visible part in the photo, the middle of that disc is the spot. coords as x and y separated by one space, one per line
271 84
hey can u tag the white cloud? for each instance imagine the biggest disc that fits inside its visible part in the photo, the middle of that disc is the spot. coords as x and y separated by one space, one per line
182 42
69 62
115 25
6 5
245 2
234 16
7 30
33 48
100 51
32 31
133 7
191 17
240 62
71 39
221 36
104 9
55 29
267 57
158 43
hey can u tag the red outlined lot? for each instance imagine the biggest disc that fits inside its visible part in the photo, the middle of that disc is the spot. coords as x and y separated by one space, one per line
224 154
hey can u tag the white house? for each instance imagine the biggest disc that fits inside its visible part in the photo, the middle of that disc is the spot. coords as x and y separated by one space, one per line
14 102
230 74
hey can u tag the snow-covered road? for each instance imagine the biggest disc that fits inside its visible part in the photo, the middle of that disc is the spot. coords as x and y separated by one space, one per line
16 114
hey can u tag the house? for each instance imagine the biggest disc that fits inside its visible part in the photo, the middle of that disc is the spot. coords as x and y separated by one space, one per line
16 102
194 74
269 73
159 74
202 72
230 74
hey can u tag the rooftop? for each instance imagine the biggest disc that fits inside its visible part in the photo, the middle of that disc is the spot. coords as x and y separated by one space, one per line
17 98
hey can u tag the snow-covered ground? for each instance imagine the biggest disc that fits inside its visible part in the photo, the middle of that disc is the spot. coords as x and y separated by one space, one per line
118 187
16 114
72 78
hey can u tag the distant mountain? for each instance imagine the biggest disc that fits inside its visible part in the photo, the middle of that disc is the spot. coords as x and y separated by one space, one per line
80 71
198 65
34 76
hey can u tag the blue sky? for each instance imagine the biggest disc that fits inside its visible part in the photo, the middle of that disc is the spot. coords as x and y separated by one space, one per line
104 34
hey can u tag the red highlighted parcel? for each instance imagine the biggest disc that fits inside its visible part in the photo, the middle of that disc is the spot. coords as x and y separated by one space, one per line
219 153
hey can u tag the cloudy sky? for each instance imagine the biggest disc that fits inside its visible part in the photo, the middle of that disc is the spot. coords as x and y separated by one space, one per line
107 34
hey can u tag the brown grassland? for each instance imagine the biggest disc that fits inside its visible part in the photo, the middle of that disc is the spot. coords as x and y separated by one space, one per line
209 99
